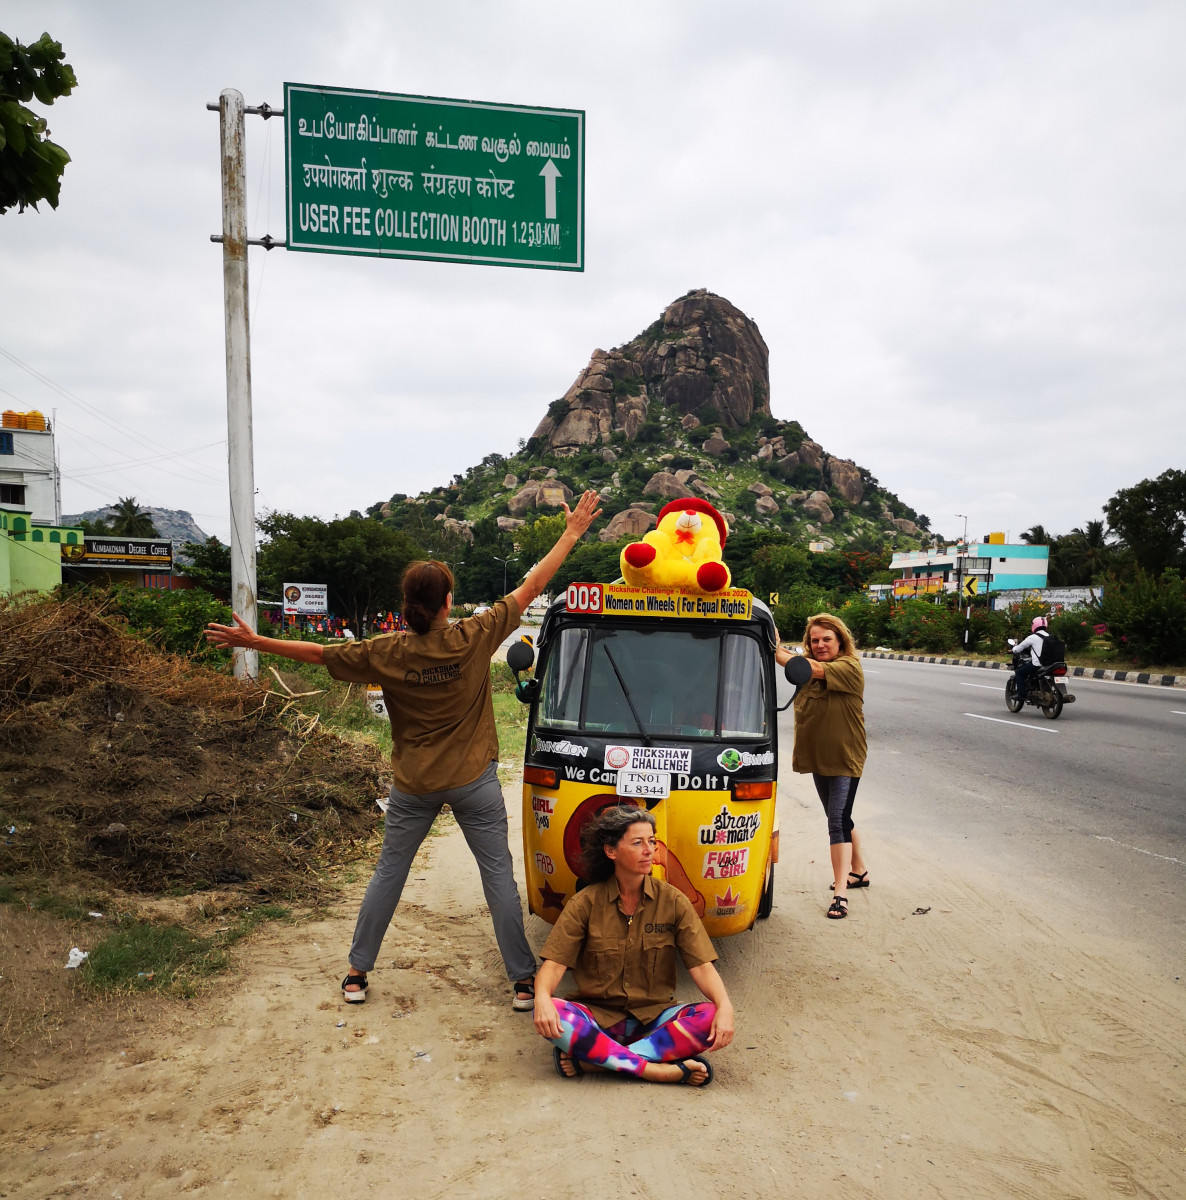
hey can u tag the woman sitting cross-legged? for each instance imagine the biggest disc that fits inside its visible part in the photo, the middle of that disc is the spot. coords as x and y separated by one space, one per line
620 936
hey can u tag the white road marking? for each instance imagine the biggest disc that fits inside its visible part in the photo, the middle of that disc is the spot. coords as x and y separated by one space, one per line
1178 712
1014 724
1150 853
986 686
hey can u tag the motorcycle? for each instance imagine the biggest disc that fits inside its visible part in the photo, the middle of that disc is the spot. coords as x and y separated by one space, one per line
1047 688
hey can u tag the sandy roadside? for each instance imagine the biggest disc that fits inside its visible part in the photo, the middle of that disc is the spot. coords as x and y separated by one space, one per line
978 1049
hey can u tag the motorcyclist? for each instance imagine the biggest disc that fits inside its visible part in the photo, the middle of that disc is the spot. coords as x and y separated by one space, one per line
1029 654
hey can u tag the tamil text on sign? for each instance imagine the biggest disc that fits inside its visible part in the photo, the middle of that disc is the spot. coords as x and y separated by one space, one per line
420 177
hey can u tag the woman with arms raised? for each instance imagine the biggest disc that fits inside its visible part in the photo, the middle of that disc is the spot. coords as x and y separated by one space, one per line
436 683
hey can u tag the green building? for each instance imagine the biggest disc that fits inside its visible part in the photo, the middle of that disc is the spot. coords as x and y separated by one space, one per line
31 554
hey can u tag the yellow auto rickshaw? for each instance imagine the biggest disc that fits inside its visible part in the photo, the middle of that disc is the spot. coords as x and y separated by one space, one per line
665 700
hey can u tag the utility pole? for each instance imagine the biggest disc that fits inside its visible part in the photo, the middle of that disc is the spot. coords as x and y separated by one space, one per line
238 371
961 559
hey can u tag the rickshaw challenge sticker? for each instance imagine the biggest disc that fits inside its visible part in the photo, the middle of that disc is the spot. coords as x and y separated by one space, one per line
646 770
672 759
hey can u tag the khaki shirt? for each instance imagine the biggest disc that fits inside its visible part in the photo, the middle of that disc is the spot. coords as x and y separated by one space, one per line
830 721
626 965
437 689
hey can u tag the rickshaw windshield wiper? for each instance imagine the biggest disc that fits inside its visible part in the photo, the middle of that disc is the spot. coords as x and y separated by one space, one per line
642 733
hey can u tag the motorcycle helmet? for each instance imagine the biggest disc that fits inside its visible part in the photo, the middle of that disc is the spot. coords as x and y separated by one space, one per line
1038 623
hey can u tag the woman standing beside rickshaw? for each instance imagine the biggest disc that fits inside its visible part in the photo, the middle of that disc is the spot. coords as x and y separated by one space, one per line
830 743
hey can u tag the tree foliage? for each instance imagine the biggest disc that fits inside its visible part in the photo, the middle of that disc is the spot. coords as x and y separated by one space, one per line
31 165
360 560
1150 519
1146 616
209 565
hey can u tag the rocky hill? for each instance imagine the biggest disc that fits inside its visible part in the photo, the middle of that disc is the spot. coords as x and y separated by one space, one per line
175 524
683 409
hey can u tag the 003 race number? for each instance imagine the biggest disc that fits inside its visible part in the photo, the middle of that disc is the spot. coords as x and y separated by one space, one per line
583 598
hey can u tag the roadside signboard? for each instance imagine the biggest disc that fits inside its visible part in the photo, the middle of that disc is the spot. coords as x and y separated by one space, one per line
620 599
399 176
154 554
305 599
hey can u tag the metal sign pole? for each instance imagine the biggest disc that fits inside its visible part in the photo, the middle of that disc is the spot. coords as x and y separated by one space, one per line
238 371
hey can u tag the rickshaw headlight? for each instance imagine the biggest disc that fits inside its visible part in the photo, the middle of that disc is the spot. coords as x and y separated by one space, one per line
754 791
547 777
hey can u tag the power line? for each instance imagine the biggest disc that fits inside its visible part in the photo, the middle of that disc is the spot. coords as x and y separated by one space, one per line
119 426
141 462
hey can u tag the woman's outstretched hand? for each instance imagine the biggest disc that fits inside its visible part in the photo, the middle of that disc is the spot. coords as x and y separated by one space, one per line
231 636
577 520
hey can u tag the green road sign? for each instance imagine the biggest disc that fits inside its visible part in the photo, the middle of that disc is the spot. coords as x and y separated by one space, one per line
419 177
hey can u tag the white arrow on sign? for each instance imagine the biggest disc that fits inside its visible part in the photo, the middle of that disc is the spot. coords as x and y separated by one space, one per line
551 173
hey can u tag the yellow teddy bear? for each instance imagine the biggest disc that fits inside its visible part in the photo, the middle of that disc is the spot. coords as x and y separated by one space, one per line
683 552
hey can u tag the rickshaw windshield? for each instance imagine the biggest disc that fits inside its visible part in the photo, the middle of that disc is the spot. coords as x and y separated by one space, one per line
661 682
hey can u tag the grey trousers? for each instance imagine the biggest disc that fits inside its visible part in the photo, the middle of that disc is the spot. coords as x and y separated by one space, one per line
482 815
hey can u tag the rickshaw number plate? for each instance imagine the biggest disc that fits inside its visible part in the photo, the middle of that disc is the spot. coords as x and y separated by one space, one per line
656 784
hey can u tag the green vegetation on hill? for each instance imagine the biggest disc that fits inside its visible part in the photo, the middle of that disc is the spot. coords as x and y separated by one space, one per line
436 519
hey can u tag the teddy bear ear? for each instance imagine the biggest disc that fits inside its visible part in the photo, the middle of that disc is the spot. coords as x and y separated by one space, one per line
695 504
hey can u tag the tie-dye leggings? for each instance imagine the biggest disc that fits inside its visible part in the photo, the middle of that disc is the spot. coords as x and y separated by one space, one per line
674 1035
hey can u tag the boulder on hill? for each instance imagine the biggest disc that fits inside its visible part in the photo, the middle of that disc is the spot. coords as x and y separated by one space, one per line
810 454
664 484
539 494
817 504
845 477
631 522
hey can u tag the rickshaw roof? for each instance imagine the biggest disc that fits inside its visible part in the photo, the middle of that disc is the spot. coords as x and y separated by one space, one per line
759 613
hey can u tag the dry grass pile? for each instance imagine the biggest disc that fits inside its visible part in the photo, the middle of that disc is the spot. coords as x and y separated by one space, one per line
124 767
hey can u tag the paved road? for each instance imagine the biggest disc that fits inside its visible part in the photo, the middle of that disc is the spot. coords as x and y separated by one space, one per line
1086 812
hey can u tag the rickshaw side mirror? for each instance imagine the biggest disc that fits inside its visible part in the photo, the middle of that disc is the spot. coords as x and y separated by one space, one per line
798 671
520 656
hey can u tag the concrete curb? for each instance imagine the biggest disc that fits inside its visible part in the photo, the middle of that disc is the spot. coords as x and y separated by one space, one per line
1173 681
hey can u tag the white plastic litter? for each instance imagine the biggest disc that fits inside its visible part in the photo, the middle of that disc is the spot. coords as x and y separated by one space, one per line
76 959
382 802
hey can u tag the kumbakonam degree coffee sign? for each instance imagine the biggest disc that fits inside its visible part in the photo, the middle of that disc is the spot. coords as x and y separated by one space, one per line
399 176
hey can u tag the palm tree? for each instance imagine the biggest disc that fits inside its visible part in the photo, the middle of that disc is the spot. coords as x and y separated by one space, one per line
128 519
1087 552
1036 535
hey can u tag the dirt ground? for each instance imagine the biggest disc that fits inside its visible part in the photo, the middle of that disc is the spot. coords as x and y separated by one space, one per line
976 1049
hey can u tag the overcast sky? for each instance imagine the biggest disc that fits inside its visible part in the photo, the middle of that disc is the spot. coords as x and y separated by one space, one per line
958 226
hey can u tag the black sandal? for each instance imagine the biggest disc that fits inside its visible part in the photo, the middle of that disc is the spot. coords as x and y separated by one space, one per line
838 908
686 1072
862 880
576 1064
523 1004
359 981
